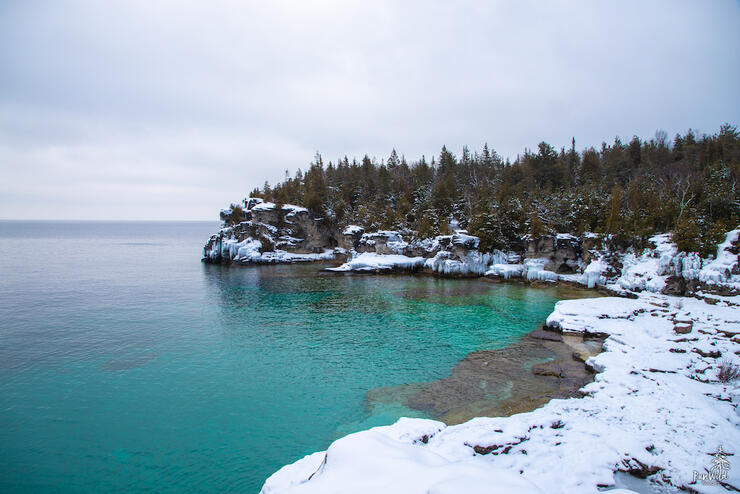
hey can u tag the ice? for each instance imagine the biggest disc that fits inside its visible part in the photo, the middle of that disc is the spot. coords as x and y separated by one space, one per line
592 275
535 270
372 262
506 271
472 263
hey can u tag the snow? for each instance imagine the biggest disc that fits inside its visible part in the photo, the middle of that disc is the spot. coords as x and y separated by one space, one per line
287 239
263 206
353 230
465 240
648 405
414 469
248 251
393 240
565 236
281 256
249 202
268 227
370 262
294 209
720 270
650 270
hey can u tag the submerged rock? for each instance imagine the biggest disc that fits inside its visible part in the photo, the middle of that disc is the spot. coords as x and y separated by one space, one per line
507 380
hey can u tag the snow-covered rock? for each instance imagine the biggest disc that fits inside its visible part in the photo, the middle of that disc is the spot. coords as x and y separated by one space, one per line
562 257
370 262
261 233
472 262
390 460
353 230
723 270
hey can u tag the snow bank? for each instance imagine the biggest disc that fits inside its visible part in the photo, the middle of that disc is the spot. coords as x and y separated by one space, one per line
389 459
370 262
656 408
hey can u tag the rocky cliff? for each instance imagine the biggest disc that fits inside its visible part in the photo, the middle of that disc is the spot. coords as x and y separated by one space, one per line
258 232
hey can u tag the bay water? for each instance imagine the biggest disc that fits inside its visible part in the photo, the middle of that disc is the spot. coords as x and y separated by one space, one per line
127 365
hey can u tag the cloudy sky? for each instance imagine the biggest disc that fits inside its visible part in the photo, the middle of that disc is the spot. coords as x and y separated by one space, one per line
172 109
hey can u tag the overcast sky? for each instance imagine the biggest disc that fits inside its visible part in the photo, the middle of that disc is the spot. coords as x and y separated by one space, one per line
172 109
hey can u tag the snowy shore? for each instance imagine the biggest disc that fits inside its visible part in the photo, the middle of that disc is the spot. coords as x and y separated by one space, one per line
656 409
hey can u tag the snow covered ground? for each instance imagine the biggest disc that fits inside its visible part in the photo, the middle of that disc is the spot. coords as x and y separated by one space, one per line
657 407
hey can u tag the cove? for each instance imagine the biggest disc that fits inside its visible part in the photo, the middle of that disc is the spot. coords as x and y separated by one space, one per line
126 364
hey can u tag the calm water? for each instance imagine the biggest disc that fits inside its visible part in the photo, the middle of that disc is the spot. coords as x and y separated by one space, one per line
127 365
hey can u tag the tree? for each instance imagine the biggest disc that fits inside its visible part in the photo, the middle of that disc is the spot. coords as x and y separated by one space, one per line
590 171
629 190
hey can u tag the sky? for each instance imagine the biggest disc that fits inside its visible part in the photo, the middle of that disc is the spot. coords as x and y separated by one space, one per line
171 110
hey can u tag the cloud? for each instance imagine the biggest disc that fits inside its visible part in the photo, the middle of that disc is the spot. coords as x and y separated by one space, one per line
169 110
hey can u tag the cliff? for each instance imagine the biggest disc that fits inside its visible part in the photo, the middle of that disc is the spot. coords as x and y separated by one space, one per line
261 232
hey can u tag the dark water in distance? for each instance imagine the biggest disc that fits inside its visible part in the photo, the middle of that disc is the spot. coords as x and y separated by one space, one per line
126 365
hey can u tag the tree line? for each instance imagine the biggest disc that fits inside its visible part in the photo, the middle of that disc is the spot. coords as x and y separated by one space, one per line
628 190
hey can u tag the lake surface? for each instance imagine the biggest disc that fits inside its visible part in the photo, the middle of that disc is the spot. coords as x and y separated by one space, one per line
127 365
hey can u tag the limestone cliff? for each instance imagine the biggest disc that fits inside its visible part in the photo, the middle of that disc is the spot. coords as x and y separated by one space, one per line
258 232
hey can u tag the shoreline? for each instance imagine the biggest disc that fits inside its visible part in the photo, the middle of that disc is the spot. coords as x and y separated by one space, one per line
656 407
635 371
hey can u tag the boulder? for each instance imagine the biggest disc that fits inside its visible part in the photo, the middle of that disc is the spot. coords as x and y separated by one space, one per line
682 328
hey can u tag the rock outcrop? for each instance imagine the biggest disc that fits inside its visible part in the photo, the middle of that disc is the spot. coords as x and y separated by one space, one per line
262 232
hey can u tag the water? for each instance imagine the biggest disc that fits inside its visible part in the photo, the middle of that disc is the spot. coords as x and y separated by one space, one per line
127 365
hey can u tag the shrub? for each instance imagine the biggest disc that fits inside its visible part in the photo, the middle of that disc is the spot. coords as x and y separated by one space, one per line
728 371
686 235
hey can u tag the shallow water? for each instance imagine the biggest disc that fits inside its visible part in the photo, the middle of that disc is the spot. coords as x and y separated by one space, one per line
127 365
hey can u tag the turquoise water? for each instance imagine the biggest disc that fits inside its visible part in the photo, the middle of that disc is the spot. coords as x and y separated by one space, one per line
126 365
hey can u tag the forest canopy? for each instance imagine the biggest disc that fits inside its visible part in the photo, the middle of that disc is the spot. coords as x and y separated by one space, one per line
629 190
